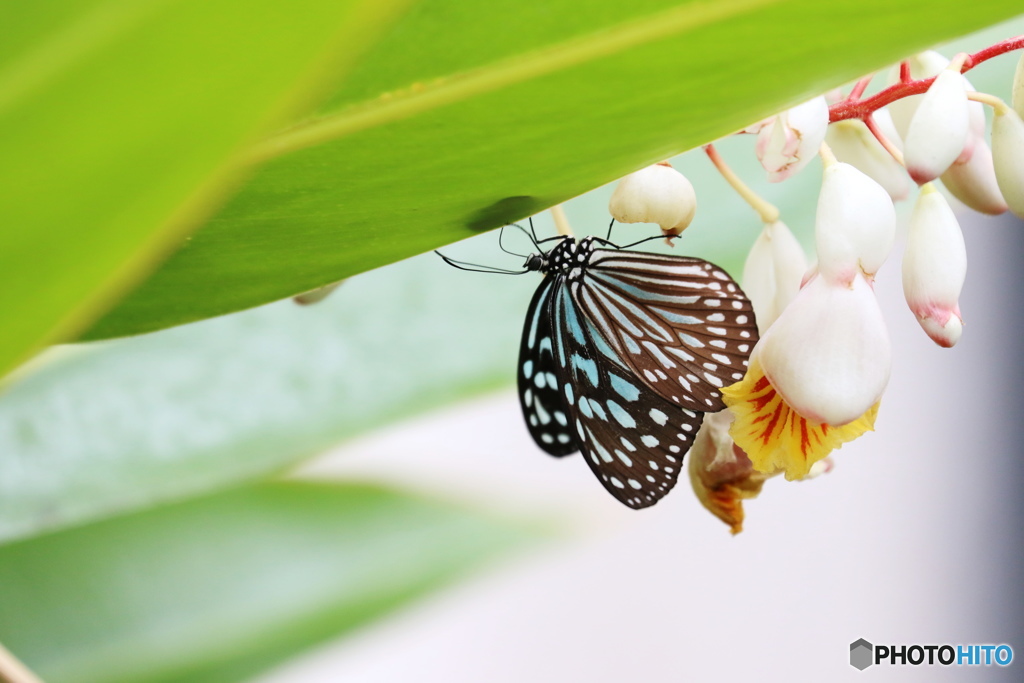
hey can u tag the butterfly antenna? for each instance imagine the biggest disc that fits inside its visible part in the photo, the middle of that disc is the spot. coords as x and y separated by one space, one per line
477 268
501 233
610 226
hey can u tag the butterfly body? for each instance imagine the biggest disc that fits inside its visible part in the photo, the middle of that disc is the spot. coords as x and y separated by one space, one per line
622 353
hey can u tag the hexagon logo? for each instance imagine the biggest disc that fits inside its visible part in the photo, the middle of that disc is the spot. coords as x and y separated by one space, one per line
861 652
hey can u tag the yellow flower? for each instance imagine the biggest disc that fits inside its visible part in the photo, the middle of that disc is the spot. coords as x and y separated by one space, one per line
775 436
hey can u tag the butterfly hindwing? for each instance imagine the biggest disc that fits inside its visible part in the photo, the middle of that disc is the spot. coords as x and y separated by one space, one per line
633 439
543 406
681 325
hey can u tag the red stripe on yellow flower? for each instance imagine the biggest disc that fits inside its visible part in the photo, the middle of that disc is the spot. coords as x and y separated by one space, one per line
775 436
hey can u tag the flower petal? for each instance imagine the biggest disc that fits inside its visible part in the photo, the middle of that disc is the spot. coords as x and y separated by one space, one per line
974 182
773 272
721 474
853 143
939 129
1008 157
776 437
829 354
792 139
855 224
934 267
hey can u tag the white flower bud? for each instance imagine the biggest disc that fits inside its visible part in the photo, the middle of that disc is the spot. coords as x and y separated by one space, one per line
656 194
855 225
1008 157
974 182
828 355
934 267
787 142
939 129
1018 88
853 143
772 273
926 65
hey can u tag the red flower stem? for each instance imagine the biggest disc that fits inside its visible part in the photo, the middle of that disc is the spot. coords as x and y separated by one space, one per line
905 72
861 109
869 121
859 88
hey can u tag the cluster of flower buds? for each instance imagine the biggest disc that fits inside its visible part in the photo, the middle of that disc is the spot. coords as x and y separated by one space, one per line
817 374
816 377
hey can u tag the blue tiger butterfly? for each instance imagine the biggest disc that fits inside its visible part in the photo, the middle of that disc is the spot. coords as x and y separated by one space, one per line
622 353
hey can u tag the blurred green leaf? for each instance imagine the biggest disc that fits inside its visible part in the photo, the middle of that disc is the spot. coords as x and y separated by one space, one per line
470 115
119 120
220 588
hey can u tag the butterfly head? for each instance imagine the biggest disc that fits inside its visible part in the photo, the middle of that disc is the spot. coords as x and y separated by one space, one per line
568 257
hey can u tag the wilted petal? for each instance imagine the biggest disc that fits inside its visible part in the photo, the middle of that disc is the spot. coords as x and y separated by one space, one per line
828 355
774 435
974 182
790 140
1008 157
721 474
656 194
939 129
853 143
773 272
855 224
934 267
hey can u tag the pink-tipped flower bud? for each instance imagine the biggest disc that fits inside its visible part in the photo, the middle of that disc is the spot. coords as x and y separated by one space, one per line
934 267
926 65
772 273
788 141
922 65
855 225
853 143
974 182
1008 157
656 194
828 355
939 129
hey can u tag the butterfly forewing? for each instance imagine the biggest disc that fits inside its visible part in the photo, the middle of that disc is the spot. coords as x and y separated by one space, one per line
632 438
544 408
681 325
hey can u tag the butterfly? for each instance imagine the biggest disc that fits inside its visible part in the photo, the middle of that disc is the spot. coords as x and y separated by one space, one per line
622 354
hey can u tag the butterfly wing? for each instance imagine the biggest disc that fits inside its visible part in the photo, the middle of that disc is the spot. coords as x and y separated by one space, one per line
543 406
633 439
681 325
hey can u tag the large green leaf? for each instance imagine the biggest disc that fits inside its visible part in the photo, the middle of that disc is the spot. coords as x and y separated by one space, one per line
119 120
469 115
220 588
133 422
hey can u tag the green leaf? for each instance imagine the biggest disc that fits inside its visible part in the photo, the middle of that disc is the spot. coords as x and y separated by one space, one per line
220 588
135 422
470 115
130 423
119 123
